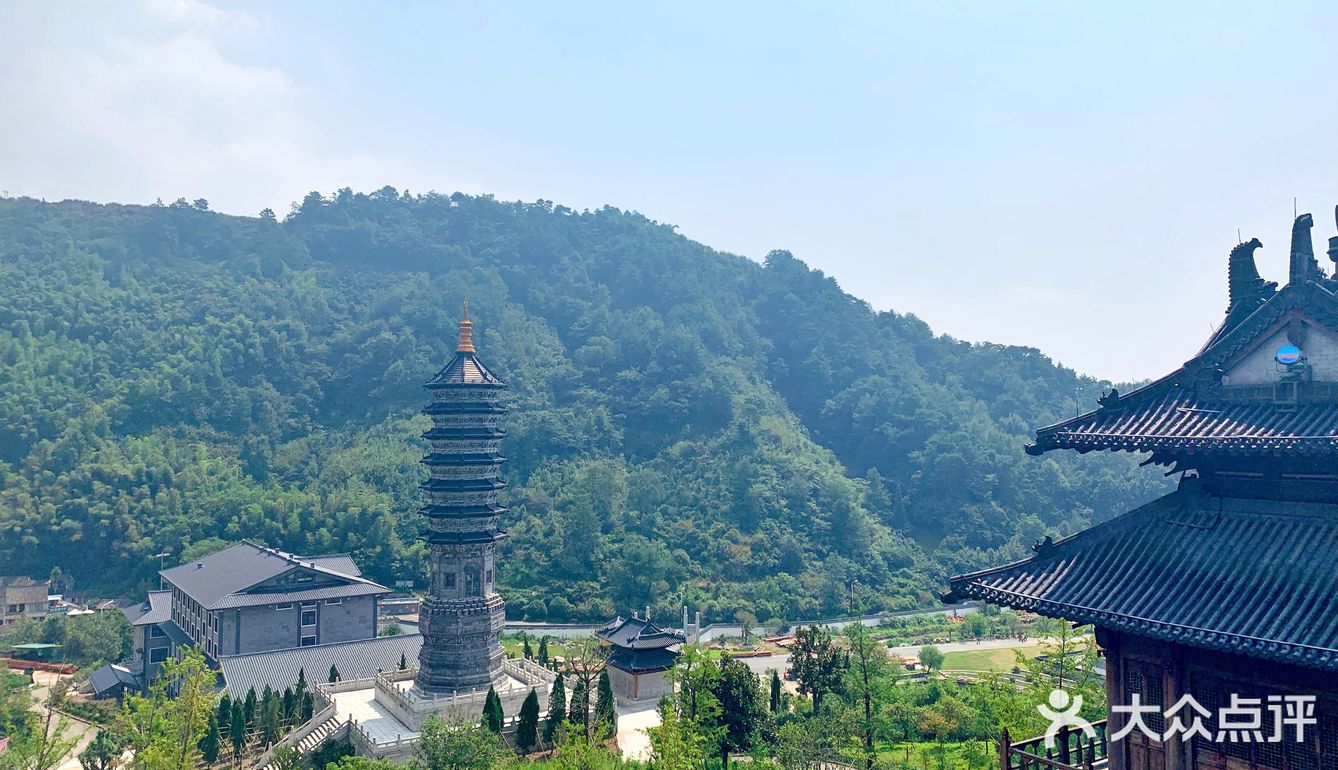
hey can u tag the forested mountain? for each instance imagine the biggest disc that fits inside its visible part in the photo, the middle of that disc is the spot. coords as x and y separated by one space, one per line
687 426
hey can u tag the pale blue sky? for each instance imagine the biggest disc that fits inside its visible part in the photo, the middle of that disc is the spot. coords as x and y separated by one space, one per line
1068 176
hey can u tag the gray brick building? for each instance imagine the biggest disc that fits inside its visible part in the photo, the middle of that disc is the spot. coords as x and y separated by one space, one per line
21 598
248 599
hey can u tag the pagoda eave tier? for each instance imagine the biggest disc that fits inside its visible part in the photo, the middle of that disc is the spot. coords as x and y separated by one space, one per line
441 408
462 538
462 485
440 511
463 434
446 458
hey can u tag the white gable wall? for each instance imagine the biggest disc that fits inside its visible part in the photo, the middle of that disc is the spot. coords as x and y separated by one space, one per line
1258 367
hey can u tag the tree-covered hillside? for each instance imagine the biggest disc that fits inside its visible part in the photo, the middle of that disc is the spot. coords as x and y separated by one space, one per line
687 426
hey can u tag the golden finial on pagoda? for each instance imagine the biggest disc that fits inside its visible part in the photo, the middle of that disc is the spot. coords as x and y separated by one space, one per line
466 333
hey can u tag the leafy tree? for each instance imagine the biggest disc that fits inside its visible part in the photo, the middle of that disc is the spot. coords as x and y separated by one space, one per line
819 667
103 752
557 709
461 746
338 754
675 743
527 728
869 680
931 657
44 744
360 763
742 715
493 717
166 725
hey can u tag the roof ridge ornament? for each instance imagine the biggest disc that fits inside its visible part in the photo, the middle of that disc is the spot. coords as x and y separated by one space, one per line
1303 264
466 333
1246 290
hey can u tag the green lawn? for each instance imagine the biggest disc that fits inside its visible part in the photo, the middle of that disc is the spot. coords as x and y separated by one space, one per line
1001 660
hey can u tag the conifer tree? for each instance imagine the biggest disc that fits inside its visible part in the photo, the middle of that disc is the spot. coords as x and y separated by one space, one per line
526 651
775 691
557 709
404 662
301 686
223 717
527 729
308 706
237 730
249 707
604 702
543 652
270 724
492 712
289 706
334 674
209 744
578 713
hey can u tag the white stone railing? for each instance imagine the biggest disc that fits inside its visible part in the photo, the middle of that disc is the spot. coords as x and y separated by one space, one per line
528 671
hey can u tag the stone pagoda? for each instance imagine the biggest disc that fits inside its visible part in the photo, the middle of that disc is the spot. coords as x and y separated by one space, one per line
462 613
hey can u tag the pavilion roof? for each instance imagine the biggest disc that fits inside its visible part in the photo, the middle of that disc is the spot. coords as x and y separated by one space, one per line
1195 410
1248 576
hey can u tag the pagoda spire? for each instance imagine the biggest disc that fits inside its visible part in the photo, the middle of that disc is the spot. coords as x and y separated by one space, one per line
466 333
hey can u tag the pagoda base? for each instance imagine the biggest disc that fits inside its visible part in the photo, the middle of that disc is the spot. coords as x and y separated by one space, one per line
398 694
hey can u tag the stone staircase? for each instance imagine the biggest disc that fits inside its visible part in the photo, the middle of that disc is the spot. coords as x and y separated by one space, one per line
312 740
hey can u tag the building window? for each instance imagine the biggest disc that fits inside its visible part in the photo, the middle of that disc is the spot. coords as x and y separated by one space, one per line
308 617
309 641
334 601
284 606
156 632
158 656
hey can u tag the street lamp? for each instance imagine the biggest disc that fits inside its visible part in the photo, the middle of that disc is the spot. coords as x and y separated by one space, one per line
161 557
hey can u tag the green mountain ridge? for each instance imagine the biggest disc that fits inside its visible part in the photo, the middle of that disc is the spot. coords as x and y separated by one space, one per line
687 426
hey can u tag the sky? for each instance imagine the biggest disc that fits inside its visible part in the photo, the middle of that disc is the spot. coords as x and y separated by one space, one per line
1068 176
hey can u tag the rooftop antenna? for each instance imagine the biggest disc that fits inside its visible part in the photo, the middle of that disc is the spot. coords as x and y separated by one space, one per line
1238 240
1293 207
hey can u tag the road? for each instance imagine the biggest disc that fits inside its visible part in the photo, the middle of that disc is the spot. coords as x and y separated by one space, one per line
81 732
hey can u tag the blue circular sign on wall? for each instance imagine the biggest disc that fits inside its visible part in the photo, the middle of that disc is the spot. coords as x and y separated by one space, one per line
1288 355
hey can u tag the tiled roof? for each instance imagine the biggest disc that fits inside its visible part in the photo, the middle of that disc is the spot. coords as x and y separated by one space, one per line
641 661
1193 410
1173 418
109 677
355 660
362 588
638 634
217 580
1249 576
464 369
156 609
